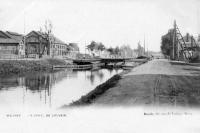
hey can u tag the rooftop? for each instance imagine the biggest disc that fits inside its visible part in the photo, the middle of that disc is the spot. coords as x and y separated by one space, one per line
10 37
55 39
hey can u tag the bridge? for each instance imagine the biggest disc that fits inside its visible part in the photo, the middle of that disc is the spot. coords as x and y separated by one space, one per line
115 60
107 60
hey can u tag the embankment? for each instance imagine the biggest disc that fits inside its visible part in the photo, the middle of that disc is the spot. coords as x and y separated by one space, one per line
23 66
99 90
91 96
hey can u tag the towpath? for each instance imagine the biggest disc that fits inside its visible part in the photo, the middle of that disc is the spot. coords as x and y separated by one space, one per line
159 82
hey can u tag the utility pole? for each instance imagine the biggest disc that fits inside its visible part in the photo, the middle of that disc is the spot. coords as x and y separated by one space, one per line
144 44
147 49
174 41
24 23
24 39
85 49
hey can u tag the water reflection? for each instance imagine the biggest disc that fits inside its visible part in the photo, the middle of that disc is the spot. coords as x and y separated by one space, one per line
50 89
95 74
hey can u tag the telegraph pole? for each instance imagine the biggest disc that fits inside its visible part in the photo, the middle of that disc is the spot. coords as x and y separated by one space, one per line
85 49
23 47
144 44
147 49
174 40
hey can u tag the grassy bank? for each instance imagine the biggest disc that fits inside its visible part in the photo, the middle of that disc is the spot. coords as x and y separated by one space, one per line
22 66
99 90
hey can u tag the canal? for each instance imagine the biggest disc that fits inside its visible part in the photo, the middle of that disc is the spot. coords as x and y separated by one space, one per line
49 90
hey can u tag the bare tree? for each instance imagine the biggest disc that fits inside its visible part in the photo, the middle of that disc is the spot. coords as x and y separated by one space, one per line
46 39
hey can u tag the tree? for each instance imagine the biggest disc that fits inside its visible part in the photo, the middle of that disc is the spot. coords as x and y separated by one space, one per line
95 47
140 49
45 39
73 46
126 51
101 47
187 37
91 47
117 51
166 43
111 51
198 39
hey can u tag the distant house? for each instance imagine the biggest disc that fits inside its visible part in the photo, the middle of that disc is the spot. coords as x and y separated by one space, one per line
189 40
191 44
11 44
39 44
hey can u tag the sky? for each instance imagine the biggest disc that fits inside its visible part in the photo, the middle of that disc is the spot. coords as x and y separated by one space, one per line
112 22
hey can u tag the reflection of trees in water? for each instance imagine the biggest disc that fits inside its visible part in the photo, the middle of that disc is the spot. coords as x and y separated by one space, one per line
116 70
35 81
113 69
44 81
101 75
93 74
110 70
38 82
92 77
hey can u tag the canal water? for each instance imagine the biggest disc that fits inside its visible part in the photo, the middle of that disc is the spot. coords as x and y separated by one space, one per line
49 90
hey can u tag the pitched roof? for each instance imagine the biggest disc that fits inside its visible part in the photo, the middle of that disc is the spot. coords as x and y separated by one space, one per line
35 32
10 37
56 40
15 35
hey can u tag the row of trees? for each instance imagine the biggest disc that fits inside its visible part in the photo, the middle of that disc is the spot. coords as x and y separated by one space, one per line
123 51
94 47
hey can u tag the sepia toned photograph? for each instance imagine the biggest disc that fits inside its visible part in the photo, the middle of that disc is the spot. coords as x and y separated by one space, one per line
99 66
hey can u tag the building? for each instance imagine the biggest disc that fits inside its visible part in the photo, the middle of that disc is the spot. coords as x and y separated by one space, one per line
39 44
189 40
192 45
35 44
11 45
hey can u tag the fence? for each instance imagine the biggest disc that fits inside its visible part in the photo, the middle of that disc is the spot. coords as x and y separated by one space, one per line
11 56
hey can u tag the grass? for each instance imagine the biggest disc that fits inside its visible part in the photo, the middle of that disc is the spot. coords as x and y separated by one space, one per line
22 66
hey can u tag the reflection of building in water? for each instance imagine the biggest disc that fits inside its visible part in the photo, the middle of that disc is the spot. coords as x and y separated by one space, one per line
38 83
6 83
43 81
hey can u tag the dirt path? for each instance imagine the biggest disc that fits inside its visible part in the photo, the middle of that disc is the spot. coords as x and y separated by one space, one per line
158 82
